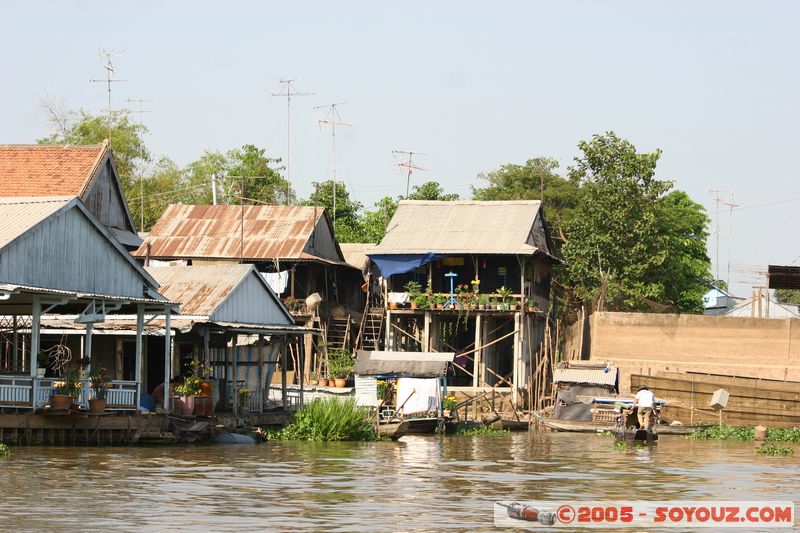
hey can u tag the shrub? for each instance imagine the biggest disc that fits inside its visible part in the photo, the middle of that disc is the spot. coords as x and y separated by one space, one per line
724 432
5 451
773 449
479 431
329 419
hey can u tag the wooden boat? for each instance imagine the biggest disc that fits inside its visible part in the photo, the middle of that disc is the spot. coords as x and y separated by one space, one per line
421 426
394 430
579 426
515 425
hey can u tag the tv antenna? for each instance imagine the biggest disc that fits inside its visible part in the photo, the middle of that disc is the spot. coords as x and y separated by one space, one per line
731 206
141 111
287 91
109 66
408 165
332 119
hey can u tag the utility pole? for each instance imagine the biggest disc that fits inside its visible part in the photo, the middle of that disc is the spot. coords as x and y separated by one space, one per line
408 165
213 189
288 90
141 112
109 66
730 205
332 119
717 201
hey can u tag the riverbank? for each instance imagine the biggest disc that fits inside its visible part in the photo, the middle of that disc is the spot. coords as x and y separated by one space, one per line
422 483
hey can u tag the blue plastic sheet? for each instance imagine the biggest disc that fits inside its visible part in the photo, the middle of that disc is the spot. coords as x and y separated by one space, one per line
392 264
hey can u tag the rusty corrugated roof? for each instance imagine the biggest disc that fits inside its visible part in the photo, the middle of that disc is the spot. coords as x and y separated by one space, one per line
215 232
48 170
355 253
593 376
199 289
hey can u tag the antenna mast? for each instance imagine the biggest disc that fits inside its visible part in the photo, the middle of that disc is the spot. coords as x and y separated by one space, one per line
332 119
141 112
109 66
731 206
717 200
288 90
408 165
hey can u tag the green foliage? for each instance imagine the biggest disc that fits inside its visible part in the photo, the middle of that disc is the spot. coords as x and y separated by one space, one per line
340 363
788 296
479 431
347 225
724 432
329 419
525 182
430 190
628 240
773 450
100 380
70 384
190 387
5 451
126 139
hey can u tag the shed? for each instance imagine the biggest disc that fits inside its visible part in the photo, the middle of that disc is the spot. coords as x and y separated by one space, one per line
408 364
579 382
86 172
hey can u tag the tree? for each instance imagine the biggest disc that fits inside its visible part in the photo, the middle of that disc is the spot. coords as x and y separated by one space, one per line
149 195
788 296
125 138
262 182
347 225
537 179
627 239
430 190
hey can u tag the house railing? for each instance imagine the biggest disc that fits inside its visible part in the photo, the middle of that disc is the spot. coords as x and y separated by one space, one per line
17 391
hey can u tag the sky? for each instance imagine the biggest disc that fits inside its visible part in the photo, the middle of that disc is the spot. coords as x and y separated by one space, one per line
472 85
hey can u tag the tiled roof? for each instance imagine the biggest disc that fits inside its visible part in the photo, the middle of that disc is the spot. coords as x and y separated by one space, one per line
48 170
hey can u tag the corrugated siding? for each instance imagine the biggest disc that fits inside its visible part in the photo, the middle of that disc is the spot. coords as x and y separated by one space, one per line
199 289
18 215
366 391
464 227
66 251
215 232
591 376
252 303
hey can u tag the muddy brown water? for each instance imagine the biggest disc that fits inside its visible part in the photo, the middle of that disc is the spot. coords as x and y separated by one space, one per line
415 484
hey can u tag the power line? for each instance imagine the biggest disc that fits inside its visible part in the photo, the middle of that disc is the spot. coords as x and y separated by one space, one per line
141 112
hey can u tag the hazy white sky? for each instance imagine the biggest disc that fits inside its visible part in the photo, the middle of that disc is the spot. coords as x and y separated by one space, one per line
715 85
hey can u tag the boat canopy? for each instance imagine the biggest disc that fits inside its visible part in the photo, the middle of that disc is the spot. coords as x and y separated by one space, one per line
409 364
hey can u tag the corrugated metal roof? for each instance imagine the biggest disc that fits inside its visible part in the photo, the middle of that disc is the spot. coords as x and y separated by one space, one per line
594 376
48 170
215 232
465 227
18 215
355 253
412 364
199 289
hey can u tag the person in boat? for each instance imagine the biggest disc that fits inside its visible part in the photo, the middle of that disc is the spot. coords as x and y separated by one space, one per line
644 402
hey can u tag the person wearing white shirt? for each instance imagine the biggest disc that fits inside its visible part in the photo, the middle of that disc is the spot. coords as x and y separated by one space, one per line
645 401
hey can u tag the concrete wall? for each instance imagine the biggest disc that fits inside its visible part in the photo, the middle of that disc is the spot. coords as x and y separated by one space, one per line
648 343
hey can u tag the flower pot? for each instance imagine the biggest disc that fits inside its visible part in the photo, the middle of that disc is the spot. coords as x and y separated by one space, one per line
206 389
183 405
340 383
439 306
40 372
200 405
97 406
514 307
392 305
60 401
313 382
413 305
323 383
531 309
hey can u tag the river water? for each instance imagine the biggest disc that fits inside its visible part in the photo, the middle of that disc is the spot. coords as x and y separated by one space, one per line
415 484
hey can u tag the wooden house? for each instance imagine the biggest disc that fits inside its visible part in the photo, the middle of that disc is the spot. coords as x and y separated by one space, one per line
57 257
86 172
470 277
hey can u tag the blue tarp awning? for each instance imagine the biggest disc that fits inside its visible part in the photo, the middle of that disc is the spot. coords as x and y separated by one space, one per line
392 264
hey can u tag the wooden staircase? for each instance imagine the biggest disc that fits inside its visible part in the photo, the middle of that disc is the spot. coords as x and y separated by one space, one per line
369 338
338 333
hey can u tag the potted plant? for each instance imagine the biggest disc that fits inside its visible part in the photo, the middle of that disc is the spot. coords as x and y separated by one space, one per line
244 398
42 360
99 382
505 294
420 301
413 289
323 382
312 378
441 299
340 366
67 390
184 403
449 405
291 303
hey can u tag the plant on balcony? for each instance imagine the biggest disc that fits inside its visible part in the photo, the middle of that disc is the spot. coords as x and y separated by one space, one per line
340 365
185 403
505 296
99 381
421 301
531 305
66 390
244 396
42 360
291 303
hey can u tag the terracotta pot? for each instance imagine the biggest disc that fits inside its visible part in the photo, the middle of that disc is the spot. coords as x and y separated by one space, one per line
340 383
60 401
392 305
514 307
531 309
200 406
413 305
97 406
206 389
323 383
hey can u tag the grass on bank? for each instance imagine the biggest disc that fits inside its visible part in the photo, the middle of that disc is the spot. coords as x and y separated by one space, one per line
329 419
745 433
5 451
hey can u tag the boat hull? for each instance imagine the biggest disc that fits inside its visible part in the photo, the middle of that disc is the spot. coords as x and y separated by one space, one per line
393 430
